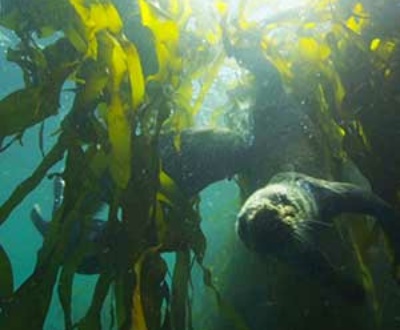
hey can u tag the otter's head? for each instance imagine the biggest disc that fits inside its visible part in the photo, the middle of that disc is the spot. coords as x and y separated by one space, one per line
267 220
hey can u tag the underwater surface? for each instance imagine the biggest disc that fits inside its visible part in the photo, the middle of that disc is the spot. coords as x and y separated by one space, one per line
188 164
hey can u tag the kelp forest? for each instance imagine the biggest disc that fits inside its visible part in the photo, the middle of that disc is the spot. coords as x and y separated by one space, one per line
168 97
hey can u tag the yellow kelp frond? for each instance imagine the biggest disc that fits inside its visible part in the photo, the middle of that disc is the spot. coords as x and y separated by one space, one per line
272 54
116 60
222 7
122 62
119 132
95 82
136 78
333 132
360 132
181 11
138 315
375 44
181 101
166 35
359 18
95 17
186 42
336 84
243 22
383 48
362 236
310 49
168 196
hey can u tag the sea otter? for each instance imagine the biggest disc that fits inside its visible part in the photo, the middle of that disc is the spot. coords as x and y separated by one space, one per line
283 218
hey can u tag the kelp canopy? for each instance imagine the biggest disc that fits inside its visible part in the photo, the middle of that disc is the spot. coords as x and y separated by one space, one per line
141 67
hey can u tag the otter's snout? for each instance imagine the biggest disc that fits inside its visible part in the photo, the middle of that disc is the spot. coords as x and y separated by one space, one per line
264 221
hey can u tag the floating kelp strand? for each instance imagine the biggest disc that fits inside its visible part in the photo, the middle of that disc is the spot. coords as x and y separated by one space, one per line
23 189
92 318
28 306
6 275
64 287
9 143
179 295
39 100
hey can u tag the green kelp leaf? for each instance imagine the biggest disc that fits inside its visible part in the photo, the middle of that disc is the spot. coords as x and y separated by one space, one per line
32 62
169 193
119 132
92 320
37 291
359 20
137 313
166 35
20 110
95 78
333 132
41 16
312 50
61 60
27 308
23 189
65 293
94 17
180 291
11 17
82 185
27 107
361 239
134 67
123 287
6 275
161 225
119 114
177 219
153 289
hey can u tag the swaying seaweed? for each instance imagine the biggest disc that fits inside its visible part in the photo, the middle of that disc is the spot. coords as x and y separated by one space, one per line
133 80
